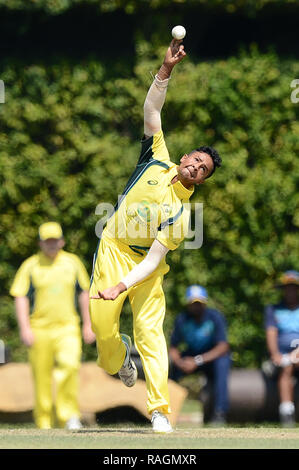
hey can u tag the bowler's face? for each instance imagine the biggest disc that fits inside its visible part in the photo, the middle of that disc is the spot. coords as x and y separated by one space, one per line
194 168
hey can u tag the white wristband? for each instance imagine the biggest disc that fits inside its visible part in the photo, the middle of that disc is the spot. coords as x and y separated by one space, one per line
161 83
285 360
199 360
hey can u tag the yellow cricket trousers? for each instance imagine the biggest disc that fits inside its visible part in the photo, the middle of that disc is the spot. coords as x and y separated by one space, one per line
55 352
114 261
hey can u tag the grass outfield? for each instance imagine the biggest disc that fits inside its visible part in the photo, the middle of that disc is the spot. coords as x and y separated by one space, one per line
130 436
189 433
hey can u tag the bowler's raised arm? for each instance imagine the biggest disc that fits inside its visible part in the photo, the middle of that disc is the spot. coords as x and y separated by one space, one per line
156 95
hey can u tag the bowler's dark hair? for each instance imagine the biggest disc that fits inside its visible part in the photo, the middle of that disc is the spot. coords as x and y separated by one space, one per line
213 154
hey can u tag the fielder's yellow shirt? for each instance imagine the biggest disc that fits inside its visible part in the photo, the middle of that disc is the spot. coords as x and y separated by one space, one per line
151 207
51 286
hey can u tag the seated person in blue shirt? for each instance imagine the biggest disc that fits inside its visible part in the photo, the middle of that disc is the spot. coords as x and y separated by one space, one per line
203 331
282 335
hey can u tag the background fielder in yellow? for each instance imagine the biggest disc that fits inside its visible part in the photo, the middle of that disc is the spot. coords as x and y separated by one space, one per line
52 332
149 220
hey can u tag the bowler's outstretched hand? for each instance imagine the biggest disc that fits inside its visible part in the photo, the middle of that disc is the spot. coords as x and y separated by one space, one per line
111 293
175 53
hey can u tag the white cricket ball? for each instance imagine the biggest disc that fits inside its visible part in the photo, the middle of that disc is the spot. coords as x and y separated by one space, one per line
178 32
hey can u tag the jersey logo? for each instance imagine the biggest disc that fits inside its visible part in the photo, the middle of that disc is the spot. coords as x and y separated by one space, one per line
167 209
148 212
152 182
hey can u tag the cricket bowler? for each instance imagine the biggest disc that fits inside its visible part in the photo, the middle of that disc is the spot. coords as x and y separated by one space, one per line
149 220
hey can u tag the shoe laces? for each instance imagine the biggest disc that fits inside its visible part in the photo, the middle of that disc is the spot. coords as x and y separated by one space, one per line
128 367
158 414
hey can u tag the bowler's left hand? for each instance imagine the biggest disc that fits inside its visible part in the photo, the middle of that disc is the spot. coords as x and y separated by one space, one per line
111 293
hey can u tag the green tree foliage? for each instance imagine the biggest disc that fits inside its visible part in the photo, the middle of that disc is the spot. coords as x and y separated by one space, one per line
131 6
69 139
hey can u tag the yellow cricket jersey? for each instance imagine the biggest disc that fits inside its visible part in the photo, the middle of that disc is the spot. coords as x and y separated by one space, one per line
51 286
151 207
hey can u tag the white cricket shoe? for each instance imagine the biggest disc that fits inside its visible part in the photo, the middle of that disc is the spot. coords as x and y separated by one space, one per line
73 424
160 423
128 372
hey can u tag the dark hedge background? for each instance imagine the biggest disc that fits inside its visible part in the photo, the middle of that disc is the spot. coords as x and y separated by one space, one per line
76 74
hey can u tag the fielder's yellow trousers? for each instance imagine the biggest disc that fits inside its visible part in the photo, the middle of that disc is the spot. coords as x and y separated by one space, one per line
56 353
114 260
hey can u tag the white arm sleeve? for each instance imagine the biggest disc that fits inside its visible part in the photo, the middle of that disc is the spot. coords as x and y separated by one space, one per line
147 266
153 104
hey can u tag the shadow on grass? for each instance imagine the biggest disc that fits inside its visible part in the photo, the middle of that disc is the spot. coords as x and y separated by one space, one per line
114 430
121 414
